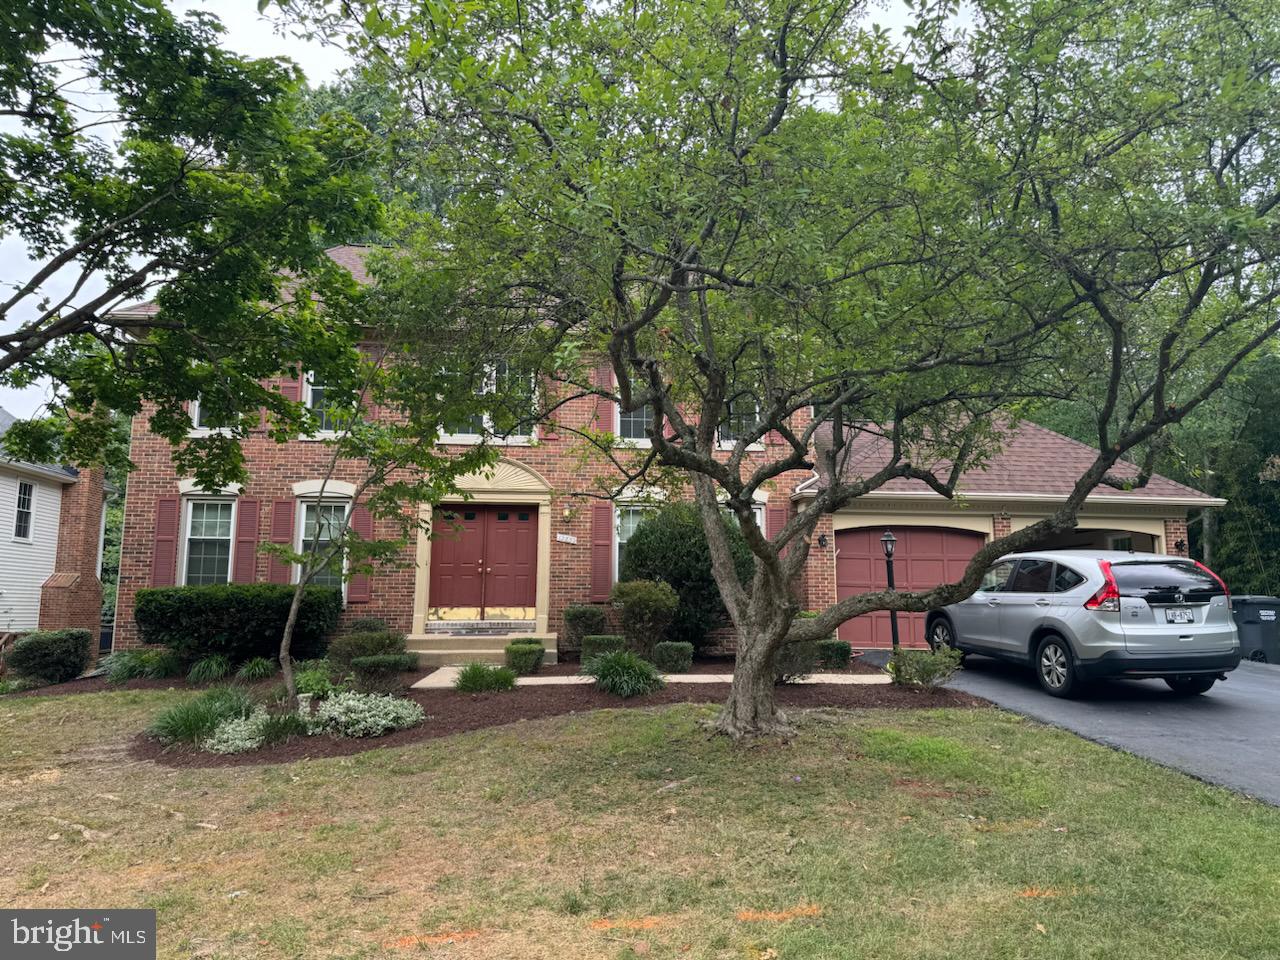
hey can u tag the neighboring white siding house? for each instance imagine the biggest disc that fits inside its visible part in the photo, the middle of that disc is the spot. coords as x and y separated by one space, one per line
26 561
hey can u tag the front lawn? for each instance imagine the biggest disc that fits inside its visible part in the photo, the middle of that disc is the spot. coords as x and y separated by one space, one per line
620 834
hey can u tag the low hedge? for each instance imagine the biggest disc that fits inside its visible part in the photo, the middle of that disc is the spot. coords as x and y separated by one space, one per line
597 644
51 656
795 661
380 673
525 656
834 654
584 620
346 649
237 620
673 656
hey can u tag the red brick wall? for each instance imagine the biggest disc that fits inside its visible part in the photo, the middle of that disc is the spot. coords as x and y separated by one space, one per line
72 595
1001 525
560 459
1175 531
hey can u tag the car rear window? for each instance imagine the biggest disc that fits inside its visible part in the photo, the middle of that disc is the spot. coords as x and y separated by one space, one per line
1161 581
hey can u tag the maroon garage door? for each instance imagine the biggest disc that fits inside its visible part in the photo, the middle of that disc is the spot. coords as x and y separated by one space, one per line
924 557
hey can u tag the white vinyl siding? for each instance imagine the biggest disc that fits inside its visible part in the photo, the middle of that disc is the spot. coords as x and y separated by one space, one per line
26 564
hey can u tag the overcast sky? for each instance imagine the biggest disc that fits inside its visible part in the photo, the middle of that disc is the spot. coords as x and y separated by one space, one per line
253 34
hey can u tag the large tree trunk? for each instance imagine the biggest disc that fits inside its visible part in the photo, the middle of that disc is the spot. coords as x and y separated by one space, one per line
751 710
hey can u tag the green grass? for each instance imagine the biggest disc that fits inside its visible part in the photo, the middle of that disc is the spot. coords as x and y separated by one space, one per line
965 835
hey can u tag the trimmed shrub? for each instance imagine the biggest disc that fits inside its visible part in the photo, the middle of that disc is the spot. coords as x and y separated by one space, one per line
834 654
795 661
673 656
155 664
597 644
381 672
366 625
51 656
365 715
525 656
259 668
670 545
645 610
209 669
624 674
484 677
346 649
237 620
194 720
924 669
584 620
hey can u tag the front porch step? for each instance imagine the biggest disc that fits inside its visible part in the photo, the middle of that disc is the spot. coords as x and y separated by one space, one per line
445 650
481 628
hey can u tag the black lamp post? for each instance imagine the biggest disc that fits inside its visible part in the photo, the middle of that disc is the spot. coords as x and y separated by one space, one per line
889 541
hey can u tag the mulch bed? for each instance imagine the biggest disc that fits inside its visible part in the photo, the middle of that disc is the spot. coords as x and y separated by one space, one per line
450 712
569 668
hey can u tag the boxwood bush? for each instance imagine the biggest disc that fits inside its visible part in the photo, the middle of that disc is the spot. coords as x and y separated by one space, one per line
645 610
594 645
51 656
237 620
673 656
525 656
381 672
670 545
584 620
346 649
834 654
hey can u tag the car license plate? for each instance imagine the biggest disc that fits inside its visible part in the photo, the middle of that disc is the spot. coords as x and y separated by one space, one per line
1179 616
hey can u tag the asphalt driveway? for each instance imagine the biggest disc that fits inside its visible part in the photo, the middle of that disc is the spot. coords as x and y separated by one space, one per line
1228 736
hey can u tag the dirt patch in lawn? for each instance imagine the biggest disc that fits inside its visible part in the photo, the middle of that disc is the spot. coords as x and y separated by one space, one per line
450 712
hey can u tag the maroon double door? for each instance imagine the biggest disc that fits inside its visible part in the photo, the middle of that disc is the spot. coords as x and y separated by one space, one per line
484 557
924 557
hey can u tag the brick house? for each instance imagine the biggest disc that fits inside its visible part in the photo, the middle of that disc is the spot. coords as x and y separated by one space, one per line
528 542
51 525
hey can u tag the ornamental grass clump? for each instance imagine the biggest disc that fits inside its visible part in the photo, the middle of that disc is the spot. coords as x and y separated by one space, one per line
195 720
484 678
624 674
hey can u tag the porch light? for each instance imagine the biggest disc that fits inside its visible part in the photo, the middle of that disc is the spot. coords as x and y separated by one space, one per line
888 541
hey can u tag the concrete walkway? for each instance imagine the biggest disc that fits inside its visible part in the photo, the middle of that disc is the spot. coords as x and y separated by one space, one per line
443 677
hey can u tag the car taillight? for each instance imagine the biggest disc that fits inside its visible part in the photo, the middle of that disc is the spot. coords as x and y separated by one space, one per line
1225 592
1108 595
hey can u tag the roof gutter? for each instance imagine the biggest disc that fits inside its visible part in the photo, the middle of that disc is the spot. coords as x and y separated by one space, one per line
40 470
805 491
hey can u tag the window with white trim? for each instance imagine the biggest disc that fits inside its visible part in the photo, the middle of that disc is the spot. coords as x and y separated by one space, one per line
512 418
207 551
24 511
741 418
324 521
314 398
632 423
625 521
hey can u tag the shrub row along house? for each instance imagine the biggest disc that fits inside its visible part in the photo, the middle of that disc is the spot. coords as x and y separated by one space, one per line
529 539
51 527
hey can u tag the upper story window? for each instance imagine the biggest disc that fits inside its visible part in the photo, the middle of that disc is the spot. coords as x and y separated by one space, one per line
25 511
207 555
202 420
632 423
314 396
742 417
324 521
511 414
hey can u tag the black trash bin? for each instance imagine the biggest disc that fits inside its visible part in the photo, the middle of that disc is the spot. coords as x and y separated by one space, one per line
1258 620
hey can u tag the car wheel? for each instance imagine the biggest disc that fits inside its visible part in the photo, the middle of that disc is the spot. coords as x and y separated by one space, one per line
1190 686
1055 668
942 635
1257 656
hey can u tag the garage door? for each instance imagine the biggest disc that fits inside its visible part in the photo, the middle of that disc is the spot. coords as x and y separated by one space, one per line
924 557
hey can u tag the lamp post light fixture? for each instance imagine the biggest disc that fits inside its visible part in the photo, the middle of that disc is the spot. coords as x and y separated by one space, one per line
889 541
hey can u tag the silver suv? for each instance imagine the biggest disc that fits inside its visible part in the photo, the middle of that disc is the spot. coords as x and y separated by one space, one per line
1074 615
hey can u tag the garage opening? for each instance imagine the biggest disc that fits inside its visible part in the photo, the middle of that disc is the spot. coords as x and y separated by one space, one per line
1100 539
924 558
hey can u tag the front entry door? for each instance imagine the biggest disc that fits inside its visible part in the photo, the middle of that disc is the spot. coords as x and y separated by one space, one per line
484 563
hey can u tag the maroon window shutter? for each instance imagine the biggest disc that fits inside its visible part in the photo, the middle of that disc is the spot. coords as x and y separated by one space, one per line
601 551
604 406
164 546
248 517
281 532
775 518
291 389
359 590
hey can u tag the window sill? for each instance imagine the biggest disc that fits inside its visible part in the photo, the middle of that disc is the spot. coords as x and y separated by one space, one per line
472 439
724 446
639 443
321 436
197 432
